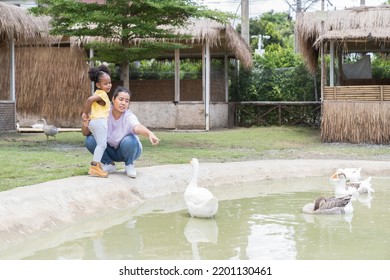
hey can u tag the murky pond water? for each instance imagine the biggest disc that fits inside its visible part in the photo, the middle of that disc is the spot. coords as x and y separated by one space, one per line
257 221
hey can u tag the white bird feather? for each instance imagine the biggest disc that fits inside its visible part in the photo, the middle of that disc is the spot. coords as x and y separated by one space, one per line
201 203
342 186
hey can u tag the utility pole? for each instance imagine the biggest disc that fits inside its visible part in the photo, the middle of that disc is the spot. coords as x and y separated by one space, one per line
245 20
299 6
322 53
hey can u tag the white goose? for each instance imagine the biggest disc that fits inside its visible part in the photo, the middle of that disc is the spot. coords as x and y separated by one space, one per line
330 205
342 186
201 203
351 174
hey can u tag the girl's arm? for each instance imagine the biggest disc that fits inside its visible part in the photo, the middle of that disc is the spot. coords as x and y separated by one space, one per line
88 105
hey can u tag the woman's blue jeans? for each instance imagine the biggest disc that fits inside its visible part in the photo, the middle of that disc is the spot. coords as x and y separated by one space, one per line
128 150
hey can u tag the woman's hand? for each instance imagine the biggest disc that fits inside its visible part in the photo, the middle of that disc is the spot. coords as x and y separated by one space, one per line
84 117
153 139
140 129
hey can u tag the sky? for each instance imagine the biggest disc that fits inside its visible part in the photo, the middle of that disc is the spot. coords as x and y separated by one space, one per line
257 7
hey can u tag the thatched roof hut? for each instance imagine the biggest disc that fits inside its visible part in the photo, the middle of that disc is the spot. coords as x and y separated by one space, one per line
355 105
59 73
41 72
16 27
358 29
16 22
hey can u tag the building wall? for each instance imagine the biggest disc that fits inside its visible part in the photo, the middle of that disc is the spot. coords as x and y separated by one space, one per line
7 116
219 115
152 102
183 115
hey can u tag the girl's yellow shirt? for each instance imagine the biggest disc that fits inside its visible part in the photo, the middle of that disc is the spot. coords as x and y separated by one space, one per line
99 111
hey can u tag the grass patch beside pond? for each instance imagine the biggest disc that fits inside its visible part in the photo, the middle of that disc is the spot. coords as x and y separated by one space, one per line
28 158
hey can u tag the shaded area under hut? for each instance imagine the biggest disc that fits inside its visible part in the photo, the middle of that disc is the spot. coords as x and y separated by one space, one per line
51 78
342 45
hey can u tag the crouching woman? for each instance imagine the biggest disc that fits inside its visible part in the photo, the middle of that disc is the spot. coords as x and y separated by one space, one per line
123 144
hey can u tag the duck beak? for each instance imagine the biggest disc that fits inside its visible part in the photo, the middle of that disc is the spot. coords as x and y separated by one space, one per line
334 176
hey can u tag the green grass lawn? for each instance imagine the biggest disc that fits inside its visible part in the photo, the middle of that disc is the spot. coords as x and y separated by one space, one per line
28 158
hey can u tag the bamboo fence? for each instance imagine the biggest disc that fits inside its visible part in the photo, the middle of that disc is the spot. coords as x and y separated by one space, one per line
356 122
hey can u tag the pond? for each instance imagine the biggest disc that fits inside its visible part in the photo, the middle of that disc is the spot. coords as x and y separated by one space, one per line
263 220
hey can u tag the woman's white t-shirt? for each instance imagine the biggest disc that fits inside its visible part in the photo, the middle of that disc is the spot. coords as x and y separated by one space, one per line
118 129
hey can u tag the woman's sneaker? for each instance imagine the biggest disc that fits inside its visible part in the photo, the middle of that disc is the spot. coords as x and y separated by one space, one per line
109 168
97 171
130 171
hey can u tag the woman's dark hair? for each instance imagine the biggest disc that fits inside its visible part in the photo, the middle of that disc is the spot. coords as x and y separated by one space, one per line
120 89
96 72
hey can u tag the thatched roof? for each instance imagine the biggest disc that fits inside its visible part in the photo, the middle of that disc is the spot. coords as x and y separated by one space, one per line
17 22
359 29
223 39
219 36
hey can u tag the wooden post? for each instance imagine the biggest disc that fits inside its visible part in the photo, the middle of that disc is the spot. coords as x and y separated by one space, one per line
177 75
340 66
226 77
12 68
331 68
206 83
12 76
322 55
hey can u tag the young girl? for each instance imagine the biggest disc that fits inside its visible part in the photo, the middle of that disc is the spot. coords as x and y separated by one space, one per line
123 131
96 111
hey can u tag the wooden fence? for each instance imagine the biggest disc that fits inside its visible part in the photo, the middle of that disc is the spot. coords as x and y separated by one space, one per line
262 113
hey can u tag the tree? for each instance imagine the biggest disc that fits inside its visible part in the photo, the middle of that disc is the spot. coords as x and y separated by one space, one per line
131 30
278 26
279 73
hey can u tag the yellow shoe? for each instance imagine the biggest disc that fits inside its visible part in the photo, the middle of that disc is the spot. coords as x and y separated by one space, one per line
97 171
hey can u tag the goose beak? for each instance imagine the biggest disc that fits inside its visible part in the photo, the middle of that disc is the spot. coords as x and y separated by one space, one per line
334 176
